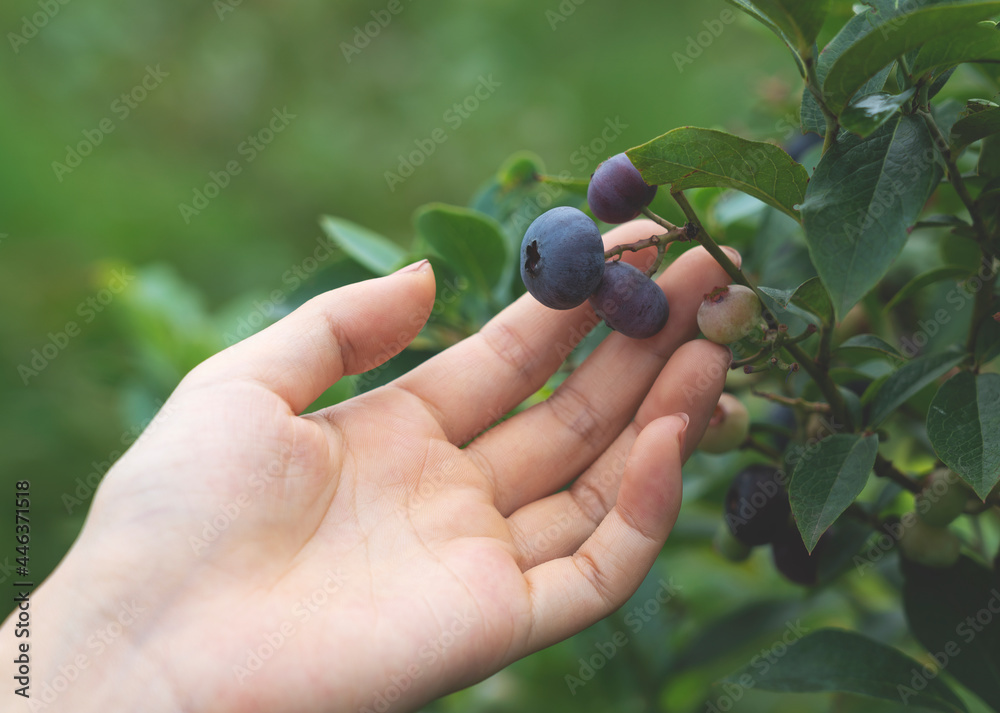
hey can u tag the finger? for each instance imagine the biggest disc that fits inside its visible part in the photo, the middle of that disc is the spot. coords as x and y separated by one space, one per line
345 331
570 429
571 593
557 525
511 357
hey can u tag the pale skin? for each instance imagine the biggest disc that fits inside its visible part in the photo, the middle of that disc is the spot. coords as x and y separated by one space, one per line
242 557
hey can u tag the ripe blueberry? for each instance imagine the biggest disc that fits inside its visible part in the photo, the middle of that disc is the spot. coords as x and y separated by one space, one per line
630 302
728 427
793 560
617 193
729 313
562 258
756 505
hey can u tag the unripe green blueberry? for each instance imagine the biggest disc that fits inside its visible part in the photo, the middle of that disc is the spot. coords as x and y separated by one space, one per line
728 428
728 314
928 545
943 498
728 546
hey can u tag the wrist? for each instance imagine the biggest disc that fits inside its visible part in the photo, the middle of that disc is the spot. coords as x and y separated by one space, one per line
79 652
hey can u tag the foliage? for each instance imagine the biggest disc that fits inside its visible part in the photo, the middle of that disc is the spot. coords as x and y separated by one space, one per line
878 255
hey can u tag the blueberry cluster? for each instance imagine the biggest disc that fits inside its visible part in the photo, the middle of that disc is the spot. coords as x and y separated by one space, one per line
562 256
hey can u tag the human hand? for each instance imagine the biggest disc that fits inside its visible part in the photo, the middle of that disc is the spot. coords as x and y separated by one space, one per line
241 557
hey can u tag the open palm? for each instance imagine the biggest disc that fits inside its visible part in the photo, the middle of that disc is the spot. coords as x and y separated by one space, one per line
389 549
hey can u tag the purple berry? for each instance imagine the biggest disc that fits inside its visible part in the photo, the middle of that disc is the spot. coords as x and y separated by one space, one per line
792 559
630 302
757 505
617 193
562 258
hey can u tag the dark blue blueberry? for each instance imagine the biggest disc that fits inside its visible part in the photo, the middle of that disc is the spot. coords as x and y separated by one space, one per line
562 258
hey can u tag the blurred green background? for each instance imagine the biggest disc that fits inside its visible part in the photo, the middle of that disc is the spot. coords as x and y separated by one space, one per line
103 242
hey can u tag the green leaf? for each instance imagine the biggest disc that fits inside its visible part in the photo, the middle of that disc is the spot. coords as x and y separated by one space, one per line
827 479
469 241
963 425
847 662
975 126
378 254
867 113
797 23
931 277
809 301
873 52
908 380
978 43
863 196
871 342
855 28
689 157
942 607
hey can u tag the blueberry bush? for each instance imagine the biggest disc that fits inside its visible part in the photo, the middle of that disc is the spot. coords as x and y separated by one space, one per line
861 434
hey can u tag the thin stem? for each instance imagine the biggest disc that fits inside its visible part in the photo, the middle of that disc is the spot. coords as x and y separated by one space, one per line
660 242
983 306
737 363
812 83
659 219
956 180
819 375
755 445
885 469
789 401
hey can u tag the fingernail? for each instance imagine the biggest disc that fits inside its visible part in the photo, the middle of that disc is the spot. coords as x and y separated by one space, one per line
415 267
734 255
682 433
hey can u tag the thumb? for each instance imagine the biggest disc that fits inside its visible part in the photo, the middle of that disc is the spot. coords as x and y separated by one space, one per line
345 331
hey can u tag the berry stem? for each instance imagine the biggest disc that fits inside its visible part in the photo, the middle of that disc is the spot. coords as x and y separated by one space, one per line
820 375
813 85
983 306
796 402
885 469
660 242
658 219
754 445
